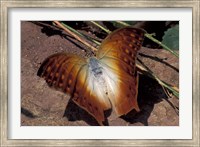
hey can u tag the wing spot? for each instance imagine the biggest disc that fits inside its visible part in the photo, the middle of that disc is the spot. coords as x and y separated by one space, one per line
132 35
62 77
126 60
127 51
57 74
133 41
49 68
57 65
130 45
69 82
140 38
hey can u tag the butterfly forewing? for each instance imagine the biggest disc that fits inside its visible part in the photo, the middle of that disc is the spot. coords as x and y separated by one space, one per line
117 54
60 71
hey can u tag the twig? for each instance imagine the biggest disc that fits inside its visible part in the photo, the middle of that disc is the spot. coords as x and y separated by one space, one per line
106 30
81 34
75 36
122 23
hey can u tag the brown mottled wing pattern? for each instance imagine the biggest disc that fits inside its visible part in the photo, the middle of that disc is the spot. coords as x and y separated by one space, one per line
117 54
69 73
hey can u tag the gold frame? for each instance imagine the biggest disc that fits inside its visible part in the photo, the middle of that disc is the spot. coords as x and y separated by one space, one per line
5 5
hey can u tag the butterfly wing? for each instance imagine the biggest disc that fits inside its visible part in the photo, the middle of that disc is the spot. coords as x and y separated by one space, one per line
117 55
70 73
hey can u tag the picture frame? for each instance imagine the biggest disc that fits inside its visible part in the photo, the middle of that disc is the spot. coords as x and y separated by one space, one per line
5 5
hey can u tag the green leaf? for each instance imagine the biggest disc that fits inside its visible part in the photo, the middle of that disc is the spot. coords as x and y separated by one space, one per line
171 38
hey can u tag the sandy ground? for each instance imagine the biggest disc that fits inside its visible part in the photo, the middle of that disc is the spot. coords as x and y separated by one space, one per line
42 106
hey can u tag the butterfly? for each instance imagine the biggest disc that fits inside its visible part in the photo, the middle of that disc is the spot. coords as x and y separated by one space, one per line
106 81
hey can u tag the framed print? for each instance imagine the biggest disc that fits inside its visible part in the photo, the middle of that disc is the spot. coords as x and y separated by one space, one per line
93 73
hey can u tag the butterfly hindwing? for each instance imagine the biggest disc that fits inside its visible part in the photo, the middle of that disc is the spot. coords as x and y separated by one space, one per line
88 95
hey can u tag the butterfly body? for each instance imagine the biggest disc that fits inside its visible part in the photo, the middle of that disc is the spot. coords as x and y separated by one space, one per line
95 67
107 81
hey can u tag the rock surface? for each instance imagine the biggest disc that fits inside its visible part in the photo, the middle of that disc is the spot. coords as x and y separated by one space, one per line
42 106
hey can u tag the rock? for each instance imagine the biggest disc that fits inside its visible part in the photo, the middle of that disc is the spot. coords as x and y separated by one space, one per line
162 63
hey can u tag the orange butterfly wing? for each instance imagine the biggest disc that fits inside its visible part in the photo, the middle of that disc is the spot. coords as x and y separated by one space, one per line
70 74
117 54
